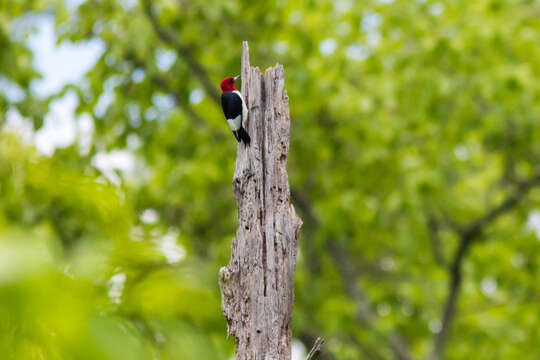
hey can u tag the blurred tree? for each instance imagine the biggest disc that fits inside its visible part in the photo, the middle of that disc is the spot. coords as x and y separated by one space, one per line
16 70
414 163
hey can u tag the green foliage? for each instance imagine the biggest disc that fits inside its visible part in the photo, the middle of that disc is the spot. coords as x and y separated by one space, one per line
404 114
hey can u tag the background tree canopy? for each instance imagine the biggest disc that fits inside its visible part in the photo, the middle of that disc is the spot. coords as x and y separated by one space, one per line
414 165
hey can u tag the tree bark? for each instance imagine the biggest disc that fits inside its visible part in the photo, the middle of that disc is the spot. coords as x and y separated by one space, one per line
257 286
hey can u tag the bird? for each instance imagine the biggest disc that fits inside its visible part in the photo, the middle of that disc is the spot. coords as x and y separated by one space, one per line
234 109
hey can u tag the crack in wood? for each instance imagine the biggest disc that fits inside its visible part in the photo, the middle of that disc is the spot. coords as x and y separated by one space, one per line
263 174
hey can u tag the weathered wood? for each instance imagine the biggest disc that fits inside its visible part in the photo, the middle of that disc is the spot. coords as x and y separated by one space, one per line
257 286
316 348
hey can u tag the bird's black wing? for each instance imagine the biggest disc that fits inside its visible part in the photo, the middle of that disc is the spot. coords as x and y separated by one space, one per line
231 104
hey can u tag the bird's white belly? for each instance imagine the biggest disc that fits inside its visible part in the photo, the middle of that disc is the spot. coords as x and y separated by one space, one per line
235 123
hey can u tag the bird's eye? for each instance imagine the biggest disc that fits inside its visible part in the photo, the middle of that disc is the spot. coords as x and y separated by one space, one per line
231 80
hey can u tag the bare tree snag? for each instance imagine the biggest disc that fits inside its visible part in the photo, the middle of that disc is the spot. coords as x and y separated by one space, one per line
257 286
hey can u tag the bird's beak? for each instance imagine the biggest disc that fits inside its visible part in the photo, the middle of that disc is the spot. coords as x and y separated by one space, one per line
236 77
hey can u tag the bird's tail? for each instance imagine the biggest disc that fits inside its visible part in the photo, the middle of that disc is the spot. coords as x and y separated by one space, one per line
244 136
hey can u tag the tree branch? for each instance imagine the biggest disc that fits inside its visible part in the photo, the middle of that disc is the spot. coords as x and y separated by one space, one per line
308 338
316 348
522 187
182 50
162 83
468 235
433 227
364 313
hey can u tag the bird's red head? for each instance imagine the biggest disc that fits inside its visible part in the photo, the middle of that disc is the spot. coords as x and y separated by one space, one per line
227 84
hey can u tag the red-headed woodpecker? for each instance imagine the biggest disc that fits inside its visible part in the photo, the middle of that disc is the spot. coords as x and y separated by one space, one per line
235 109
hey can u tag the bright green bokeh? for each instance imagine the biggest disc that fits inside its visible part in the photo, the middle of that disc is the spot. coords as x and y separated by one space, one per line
401 110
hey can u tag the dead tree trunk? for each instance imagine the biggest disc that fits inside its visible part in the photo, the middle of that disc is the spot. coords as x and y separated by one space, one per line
257 286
